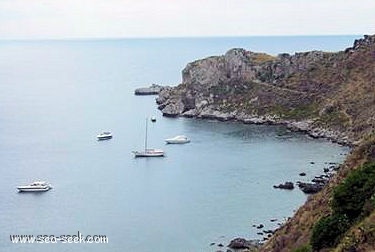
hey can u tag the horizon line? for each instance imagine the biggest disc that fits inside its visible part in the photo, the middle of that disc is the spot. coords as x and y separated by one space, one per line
168 37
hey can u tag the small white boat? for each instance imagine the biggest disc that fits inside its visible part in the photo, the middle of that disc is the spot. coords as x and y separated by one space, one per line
153 119
36 186
104 136
149 153
181 139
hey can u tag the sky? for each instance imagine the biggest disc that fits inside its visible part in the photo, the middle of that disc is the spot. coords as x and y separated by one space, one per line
56 19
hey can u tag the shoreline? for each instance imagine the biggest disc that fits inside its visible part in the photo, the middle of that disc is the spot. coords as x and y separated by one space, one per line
303 126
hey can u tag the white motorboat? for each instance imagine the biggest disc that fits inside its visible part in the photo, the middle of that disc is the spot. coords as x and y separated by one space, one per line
148 152
181 139
36 186
153 119
104 135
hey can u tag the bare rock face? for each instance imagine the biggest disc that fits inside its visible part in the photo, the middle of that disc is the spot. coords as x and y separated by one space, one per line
209 72
211 113
216 80
202 79
205 81
170 103
173 109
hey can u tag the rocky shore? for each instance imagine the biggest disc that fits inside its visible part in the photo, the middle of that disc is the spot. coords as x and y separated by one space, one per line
316 184
210 112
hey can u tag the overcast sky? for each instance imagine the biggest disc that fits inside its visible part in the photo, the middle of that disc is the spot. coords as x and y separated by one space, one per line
35 19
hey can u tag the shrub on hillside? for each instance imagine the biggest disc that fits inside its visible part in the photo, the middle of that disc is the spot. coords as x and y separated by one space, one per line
352 200
350 196
304 248
328 230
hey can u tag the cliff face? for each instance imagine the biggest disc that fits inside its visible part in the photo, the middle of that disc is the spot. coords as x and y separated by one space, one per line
325 94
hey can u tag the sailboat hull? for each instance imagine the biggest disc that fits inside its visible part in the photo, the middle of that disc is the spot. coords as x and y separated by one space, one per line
149 153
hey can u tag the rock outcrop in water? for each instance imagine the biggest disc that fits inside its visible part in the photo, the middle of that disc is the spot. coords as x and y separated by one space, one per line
152 90
315 92
241 244
324 94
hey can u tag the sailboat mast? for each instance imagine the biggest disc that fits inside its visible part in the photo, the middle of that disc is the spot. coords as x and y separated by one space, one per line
146 136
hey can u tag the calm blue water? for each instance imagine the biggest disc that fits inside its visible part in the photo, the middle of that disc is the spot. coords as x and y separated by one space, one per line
57 95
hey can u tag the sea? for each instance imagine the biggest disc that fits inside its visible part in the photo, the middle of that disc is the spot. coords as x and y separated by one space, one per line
57 95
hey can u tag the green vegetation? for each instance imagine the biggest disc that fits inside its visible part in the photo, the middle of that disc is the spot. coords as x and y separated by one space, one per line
328 230
300 112
304 248
360 237
353 200
336 118
262 57
350 197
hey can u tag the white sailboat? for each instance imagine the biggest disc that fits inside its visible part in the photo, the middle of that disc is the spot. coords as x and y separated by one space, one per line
148 152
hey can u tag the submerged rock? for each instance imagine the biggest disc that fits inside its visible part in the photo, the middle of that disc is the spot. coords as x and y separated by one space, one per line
241 243
310 188
286 185
260 226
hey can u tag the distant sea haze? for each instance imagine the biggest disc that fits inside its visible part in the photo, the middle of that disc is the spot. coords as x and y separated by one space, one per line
56 96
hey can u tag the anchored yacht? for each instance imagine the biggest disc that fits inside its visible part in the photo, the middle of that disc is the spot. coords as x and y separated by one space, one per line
36 186
104 136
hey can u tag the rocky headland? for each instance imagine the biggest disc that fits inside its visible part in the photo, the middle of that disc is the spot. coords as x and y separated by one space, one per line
324 94
310 91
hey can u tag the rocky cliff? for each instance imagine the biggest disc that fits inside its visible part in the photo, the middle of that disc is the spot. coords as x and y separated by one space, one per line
324 94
